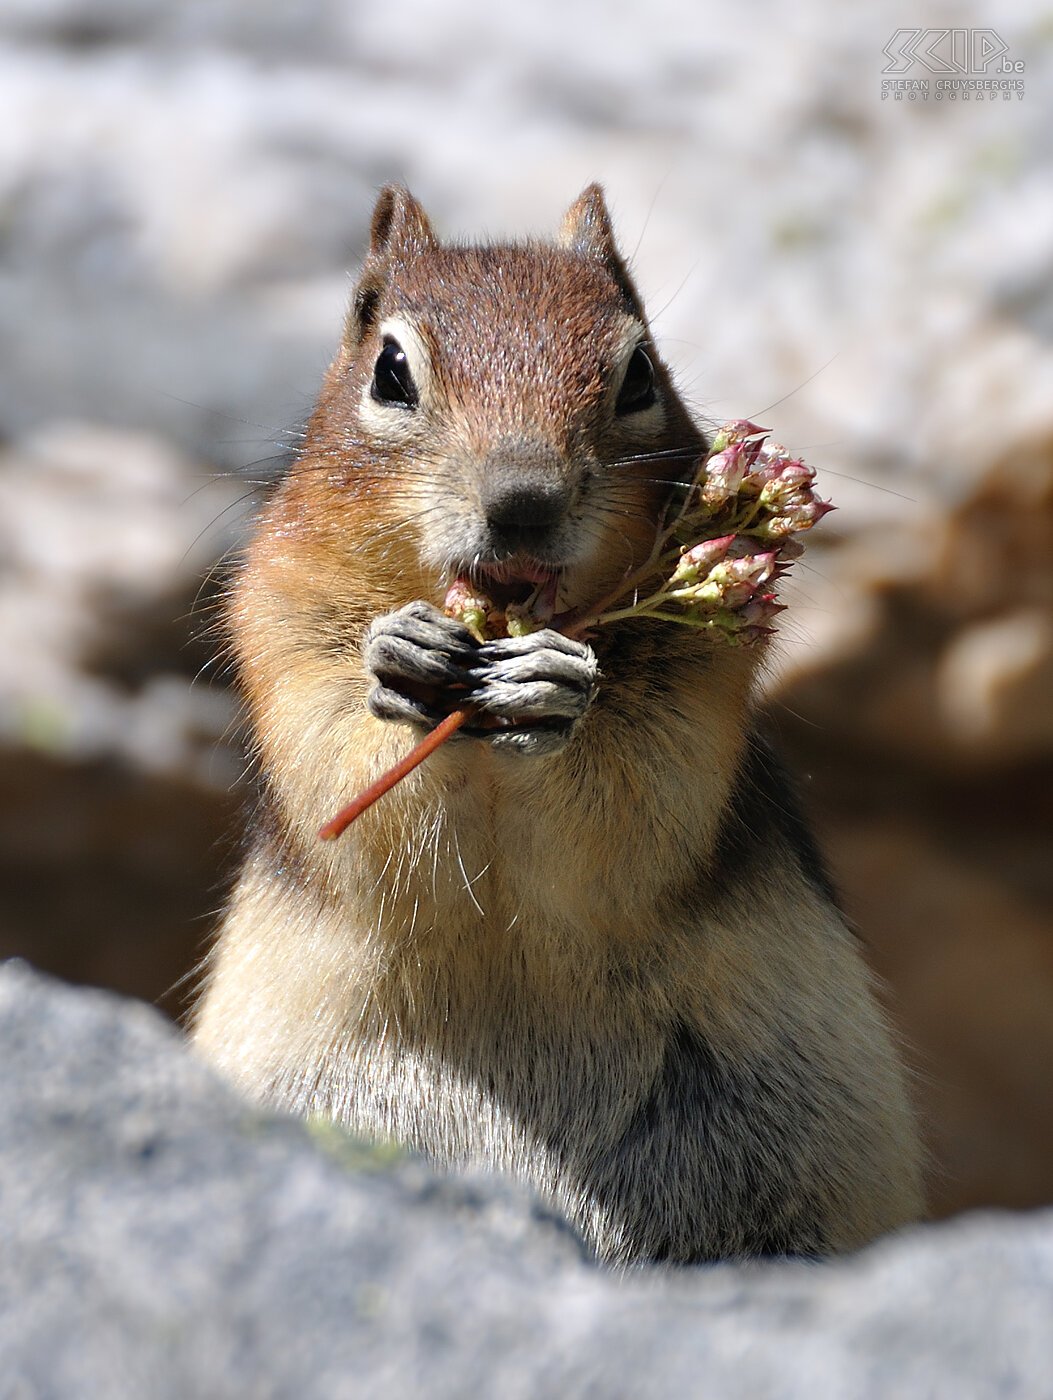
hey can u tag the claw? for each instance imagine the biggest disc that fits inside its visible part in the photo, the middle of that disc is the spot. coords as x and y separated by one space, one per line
529 691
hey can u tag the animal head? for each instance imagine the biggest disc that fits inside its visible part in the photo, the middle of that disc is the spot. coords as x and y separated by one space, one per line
505 401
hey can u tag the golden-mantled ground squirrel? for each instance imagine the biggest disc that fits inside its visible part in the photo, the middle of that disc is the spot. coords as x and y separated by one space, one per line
589 941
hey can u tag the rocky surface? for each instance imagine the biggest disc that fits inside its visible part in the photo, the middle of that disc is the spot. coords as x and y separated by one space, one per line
184 185
118 796
183 190
922 711
162 1238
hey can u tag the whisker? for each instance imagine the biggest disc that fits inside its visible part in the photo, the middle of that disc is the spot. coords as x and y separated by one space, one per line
237 474
804 382
215 521
861 481
233 417
650 211
657 315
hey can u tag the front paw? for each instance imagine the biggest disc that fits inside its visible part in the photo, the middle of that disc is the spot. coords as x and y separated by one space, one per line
537 687
421 662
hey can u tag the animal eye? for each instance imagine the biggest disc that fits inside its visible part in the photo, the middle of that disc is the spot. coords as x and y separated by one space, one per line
637 391
392 380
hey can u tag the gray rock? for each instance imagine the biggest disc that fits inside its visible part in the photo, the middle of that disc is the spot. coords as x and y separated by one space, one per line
162 1238
117 793
185 185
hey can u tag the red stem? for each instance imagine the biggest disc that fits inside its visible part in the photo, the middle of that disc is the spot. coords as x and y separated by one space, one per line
570 625
395 774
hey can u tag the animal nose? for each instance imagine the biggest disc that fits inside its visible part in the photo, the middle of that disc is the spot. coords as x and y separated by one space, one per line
523 511
524 493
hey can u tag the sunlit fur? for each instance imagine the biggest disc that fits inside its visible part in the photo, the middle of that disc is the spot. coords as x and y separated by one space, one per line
615 973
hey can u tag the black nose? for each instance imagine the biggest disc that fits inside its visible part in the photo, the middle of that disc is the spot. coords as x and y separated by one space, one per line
522 506
520 510
524 493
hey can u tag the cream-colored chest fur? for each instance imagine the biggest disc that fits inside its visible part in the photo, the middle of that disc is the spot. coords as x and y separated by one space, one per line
527 965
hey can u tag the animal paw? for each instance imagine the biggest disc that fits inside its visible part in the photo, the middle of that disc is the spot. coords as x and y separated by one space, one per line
421 662
534 690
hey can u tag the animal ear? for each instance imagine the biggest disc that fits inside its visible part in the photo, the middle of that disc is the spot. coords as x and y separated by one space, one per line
399 226
586 226
586 229
398 230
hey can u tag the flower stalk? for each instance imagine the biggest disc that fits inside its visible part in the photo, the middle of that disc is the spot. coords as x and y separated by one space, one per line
726 541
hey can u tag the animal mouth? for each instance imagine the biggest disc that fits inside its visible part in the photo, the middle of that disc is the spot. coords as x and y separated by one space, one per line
520 582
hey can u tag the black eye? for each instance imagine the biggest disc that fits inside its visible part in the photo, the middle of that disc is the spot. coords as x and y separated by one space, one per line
637 391
392 381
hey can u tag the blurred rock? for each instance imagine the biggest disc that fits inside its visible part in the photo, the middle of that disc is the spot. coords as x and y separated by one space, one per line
994 686
183 188
183 191
106 541
922 712
968 955
110 875
118 796
164 1239
934 643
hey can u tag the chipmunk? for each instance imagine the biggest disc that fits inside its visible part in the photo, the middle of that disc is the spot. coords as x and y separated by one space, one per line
589 941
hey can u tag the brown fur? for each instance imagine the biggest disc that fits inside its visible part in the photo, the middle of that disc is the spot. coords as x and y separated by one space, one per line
615 972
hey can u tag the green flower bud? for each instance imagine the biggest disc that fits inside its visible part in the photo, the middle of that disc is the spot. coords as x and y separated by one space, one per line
520 621
469 606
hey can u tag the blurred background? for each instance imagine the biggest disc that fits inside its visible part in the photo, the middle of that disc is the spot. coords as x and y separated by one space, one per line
185 189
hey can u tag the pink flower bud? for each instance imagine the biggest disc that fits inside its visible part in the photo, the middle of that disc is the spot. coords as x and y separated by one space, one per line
740 430
732 582
800 512
793 482
758 612
468 605
696 562
750 623
724 474
762 497
750 568
777 527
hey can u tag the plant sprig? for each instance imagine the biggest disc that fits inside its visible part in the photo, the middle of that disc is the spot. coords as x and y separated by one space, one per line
726 540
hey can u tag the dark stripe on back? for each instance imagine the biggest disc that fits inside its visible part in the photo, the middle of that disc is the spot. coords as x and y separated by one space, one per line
742 1141
764 804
